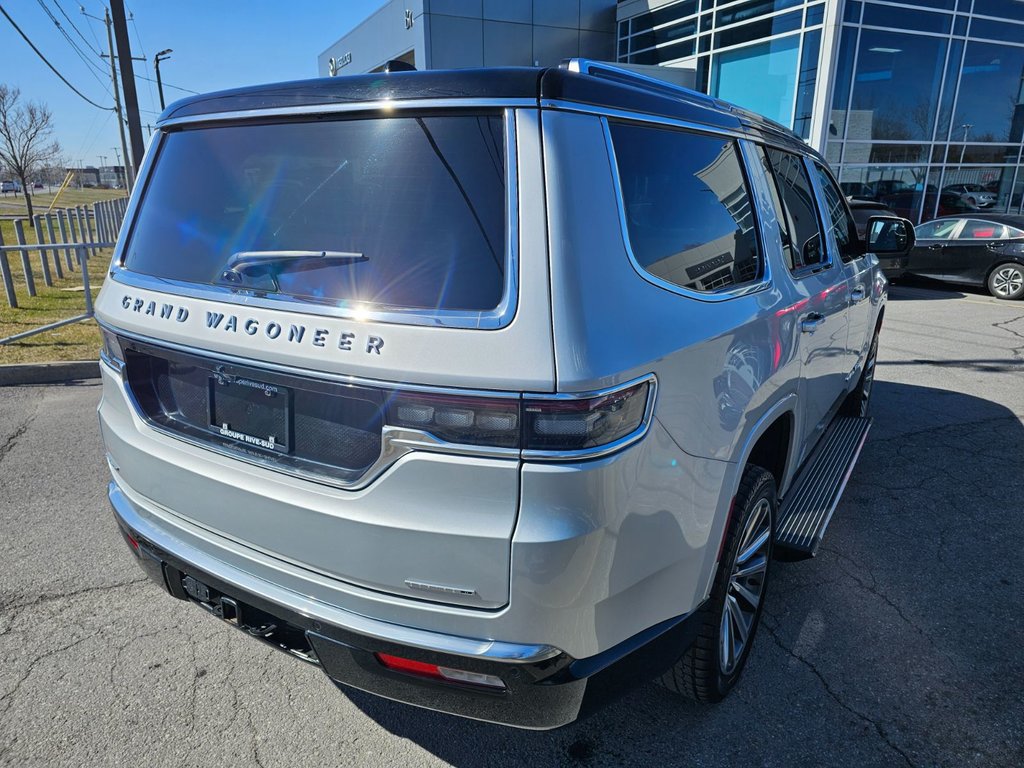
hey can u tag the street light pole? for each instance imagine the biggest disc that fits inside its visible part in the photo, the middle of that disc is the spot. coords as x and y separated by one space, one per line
161 56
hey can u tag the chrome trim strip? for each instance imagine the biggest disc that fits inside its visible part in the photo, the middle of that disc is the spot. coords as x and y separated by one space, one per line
765 282
378 105
494 650
643 117
609 448
493 319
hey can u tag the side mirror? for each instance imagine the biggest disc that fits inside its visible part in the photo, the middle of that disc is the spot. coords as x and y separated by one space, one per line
889 236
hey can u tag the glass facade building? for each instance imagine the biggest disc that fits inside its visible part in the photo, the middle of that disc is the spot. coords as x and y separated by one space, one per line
916 103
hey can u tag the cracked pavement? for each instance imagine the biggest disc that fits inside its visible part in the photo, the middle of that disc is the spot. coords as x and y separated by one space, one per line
900 644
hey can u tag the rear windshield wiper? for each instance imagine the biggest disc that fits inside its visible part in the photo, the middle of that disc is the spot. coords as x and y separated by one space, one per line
259 270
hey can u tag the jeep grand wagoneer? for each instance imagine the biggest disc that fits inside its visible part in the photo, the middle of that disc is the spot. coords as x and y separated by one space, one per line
493 391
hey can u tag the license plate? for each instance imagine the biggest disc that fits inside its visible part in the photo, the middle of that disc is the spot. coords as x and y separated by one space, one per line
252 413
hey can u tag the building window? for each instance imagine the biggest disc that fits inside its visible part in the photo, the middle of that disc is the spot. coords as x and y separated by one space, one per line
687 207
990 106
760 77
896 86
805 85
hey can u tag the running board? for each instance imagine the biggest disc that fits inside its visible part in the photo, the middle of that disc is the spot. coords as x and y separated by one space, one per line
808 507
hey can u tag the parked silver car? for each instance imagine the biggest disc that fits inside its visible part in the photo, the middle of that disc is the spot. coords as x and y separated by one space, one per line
493 391
973 194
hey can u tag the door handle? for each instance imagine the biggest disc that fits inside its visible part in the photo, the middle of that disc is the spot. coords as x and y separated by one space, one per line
858 294
994 246
936 247
809 323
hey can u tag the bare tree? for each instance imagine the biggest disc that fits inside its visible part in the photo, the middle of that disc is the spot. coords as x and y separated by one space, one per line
26 146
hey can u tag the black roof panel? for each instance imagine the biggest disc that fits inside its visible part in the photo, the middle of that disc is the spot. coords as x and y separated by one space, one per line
608 88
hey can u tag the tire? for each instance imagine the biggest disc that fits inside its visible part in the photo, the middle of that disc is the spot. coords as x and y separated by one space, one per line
706 671
1006 281
858 402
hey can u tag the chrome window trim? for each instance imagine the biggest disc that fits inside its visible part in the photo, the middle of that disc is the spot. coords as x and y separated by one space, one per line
304 605
608 448
765 280
377 105
499 317
645 117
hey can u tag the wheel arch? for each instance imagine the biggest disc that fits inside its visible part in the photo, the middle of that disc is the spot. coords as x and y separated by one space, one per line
771 442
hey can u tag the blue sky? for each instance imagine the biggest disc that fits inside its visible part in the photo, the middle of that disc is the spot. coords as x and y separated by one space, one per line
217 44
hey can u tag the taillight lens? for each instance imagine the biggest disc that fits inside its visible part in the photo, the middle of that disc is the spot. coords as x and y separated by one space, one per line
112 347
465 420
581 424
558 424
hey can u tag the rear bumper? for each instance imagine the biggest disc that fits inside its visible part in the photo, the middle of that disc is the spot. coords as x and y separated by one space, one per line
543 686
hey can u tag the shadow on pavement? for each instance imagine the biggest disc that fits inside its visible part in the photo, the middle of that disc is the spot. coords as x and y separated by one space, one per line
884 642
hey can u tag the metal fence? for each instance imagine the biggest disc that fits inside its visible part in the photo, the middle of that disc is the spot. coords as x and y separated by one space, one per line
83 231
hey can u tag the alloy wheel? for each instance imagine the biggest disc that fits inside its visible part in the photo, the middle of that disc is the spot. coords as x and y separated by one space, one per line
746 587
1008 281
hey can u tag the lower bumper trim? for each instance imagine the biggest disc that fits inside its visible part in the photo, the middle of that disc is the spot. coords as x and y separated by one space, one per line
544 690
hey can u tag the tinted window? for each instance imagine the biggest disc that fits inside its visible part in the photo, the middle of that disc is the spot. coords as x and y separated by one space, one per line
412 211
798 220
687 207
939 229
837 215
981 230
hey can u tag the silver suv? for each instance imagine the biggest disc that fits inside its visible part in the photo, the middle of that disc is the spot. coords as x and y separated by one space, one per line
493 392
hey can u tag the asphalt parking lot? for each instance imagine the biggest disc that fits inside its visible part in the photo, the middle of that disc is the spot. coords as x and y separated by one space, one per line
900 644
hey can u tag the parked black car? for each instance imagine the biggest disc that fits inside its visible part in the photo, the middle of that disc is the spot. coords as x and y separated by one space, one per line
862 210
986 249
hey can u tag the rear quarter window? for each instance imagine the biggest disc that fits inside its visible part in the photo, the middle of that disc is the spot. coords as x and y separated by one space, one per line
687 207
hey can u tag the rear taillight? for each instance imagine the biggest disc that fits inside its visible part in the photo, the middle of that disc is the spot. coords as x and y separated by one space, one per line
456 419
545 426
112 348
580 424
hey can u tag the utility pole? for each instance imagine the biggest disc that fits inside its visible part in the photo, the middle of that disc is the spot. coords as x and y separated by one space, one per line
129 175
118 156
162 56
131 98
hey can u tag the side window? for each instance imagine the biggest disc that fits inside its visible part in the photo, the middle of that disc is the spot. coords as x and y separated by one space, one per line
939 229
687 207
981 230
798 222
836 216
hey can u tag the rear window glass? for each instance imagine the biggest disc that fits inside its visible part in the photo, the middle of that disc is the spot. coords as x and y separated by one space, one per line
687 208
404 213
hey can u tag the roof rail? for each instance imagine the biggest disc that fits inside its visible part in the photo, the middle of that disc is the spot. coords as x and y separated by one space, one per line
609 71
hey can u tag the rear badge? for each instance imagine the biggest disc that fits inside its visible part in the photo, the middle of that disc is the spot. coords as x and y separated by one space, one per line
440 588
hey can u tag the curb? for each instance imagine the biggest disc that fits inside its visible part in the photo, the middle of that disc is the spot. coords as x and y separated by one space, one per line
48 373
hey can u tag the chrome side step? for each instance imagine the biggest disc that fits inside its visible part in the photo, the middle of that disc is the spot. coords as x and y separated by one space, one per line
807 509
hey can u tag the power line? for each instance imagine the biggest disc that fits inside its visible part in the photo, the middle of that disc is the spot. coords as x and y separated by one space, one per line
47 62
74 46
168 85
142 50
74 27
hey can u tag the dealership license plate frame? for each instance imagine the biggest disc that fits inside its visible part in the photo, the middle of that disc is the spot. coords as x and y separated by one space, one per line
261 399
